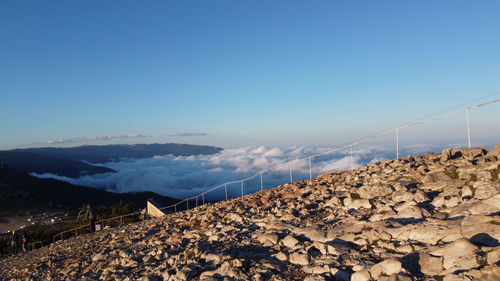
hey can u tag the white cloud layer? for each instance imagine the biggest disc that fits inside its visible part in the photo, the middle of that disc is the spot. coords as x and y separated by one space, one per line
185 176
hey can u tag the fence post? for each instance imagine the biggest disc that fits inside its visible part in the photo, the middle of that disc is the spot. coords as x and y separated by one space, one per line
352 160
175 208
397 142
310 170
261 182
468 125
187 204
290 169
225 190
241 188
196 200
203 198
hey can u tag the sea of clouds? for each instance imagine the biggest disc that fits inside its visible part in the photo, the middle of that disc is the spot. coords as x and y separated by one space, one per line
185 176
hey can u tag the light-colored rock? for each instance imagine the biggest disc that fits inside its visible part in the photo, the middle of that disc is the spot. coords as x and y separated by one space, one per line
458 255
493 256
481 230
233 217
485 190
386 267
357 203
289 241
299 258
430 265
268 237
363 275
315 278
437 176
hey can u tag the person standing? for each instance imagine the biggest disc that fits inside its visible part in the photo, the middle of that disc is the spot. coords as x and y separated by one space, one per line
91 217
13 242
25 241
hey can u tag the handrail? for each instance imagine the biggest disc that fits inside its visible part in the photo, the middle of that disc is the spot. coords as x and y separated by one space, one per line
97 222
362 140
310 157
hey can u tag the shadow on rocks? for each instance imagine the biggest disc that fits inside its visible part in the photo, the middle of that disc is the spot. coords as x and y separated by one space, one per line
484 239
410 262
405 221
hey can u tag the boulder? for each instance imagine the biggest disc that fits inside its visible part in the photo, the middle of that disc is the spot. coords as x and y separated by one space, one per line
430 265
268 238
386 267
493 256
481 230
362 275
299 258
350 203
485 190
458 255
437 176
289 241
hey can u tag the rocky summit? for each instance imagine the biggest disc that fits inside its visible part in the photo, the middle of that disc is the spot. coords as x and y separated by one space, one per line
430 217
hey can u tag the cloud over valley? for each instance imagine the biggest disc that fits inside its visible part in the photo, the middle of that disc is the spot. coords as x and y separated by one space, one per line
185 176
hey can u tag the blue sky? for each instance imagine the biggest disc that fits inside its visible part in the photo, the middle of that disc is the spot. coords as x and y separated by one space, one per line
242 72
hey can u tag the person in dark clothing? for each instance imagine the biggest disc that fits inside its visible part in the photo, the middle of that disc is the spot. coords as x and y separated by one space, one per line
91 217
89 214
13 242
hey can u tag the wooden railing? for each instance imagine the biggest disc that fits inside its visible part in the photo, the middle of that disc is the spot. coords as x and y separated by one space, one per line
102 223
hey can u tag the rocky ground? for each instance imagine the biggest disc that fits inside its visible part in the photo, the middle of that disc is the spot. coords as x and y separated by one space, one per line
431 217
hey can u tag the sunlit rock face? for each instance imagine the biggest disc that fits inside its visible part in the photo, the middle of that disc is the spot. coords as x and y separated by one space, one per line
432 217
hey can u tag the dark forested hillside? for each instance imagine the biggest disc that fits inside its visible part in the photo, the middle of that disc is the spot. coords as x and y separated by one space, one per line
21 191
106 153
37 163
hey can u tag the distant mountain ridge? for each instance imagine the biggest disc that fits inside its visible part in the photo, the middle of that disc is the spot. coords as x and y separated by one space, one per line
34 163
68 161
19 190
106 153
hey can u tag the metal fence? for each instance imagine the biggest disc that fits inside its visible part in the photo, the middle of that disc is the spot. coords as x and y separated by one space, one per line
233 189
34 245
103 223
200 198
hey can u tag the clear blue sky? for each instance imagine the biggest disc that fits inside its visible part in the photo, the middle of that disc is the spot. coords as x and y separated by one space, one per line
243 72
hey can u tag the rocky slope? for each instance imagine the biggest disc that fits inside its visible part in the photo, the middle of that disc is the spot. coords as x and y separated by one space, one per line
432 217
